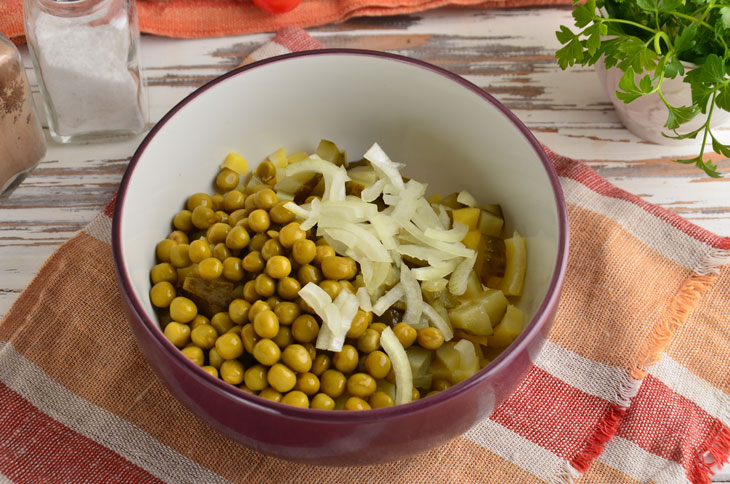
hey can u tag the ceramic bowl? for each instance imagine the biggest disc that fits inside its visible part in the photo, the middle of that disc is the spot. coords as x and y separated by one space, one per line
448 132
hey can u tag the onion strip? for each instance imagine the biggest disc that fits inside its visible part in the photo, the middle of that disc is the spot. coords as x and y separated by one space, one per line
401 366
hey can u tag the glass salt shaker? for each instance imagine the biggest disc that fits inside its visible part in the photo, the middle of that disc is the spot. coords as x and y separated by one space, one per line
86 58
22 142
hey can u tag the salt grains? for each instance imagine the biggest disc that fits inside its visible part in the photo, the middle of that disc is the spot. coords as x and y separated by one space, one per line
88 72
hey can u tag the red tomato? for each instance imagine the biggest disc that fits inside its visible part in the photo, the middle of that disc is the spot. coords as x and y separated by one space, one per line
277 6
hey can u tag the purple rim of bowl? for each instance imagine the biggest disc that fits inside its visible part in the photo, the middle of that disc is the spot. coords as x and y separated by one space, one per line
505 358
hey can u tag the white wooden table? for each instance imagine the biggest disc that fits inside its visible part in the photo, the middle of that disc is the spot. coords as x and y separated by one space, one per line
510 53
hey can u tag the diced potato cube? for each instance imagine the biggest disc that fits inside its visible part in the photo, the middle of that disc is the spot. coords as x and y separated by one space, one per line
516 263
235 162
508 329
471 239
469 216
490 224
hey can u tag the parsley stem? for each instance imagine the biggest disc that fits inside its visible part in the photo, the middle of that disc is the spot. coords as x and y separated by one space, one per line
626 22
707 122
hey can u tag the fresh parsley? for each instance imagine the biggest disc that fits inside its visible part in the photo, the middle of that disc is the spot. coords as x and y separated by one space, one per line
650 39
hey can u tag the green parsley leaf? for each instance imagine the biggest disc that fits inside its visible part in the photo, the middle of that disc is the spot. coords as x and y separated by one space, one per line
722 100
679 115
659 5
720 148
686 39
707 166
593 43
584 14
725 17
628 91
636 54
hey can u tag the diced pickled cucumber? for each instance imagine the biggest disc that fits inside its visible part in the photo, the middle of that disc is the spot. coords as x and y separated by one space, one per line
420 360
495 302
473 287
472 316
329 151
508 329
490 224
455 361
447 356
450 201
468 361
383 385
461 334
494 259
515 265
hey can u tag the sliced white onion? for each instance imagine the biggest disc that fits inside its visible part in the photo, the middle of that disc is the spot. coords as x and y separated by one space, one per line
413 296
434 272
373 191
297 210
457 248
364 299
460 277
444 216
466 198
313 163
434 285
438 321
381 162
315 296
314 215
425 216
401 366
351 209
388 299
456 234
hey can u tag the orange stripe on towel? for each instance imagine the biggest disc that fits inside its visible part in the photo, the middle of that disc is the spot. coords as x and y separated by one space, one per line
675 315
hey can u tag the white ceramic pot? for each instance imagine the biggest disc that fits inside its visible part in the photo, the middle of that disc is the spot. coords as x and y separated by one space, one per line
645 116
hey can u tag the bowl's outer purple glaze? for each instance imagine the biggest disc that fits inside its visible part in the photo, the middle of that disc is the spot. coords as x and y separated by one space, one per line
345 438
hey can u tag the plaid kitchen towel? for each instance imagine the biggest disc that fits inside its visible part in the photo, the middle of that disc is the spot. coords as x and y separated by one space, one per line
632 385
217 18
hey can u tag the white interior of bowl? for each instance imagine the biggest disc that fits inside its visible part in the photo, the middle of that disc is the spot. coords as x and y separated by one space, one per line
447 135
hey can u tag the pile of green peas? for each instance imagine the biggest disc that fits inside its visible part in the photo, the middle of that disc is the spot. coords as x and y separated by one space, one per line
245 243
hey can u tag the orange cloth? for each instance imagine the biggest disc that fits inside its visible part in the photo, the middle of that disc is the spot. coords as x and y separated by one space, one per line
219 18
